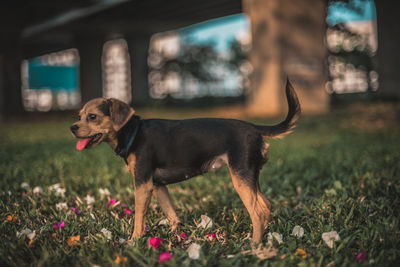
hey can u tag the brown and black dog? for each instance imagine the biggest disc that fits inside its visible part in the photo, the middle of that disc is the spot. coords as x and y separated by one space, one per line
160 152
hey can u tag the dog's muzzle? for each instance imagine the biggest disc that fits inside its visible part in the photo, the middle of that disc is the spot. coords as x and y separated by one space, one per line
74 128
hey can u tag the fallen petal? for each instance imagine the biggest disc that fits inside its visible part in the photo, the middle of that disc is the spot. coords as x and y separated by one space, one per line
163 222
104 192
206 222
37 190
61 206
276 236
25 231
155 242
194 251
89 199
107 234
361 257
165 256
25 185
31 236
60 192
128 211
119 259
184 236
298 231
74 241
301 253
330 237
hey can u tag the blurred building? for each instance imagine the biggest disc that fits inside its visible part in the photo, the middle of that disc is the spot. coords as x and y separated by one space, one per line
111 40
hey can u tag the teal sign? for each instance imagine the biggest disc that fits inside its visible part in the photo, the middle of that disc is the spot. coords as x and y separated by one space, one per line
52 77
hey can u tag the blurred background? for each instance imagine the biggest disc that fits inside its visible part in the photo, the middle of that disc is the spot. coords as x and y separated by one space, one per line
227 57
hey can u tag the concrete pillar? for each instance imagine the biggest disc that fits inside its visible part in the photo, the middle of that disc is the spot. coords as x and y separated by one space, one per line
288 41
90 51
388 49
138 52
10 61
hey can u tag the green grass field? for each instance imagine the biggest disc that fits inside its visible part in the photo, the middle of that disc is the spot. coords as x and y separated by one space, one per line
338 172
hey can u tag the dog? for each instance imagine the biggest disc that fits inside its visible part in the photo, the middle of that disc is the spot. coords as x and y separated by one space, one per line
159 152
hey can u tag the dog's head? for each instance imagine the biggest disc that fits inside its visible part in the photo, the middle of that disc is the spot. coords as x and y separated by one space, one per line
99 120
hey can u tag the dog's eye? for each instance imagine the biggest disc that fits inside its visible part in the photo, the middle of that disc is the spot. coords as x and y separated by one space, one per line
79 118
92 117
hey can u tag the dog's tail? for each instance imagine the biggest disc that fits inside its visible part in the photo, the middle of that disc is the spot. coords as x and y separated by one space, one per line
285 127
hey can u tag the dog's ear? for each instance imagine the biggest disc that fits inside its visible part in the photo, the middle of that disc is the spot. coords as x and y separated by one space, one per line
120 112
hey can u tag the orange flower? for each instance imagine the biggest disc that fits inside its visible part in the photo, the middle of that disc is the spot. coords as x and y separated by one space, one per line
12 219
301 253
120 260
74 241
53 235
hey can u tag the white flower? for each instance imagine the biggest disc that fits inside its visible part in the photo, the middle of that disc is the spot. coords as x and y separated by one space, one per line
25 185
106 233
163 222
54 186
104 192
25 231
298 231
92 215
122 240
32 235
61 206
206 222
194 251
276 236
59 191
329 237
37 190
90 199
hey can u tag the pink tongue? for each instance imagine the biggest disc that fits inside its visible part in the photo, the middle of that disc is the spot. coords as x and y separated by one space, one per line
82 143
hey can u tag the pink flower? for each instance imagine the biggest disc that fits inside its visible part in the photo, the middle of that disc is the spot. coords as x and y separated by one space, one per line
212 237
165 256
155 242
76 211
58 226
147 228
111 203
128 211
361 257
184 236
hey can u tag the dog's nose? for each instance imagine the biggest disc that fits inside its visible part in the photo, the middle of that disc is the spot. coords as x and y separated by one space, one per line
74 128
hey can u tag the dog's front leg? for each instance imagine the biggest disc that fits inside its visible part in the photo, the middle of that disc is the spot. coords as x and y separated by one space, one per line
142 200
163 199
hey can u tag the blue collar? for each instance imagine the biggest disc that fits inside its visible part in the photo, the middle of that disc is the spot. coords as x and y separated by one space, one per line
129 144
126 136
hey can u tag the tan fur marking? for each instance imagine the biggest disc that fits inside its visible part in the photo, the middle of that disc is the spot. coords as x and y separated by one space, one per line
164 200
142 201
131 159
265 151
255 203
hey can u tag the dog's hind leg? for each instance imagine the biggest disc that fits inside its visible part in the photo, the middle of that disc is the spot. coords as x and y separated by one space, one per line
164 200
255 203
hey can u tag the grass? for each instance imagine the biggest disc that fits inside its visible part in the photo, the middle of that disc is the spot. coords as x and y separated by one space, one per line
334 172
